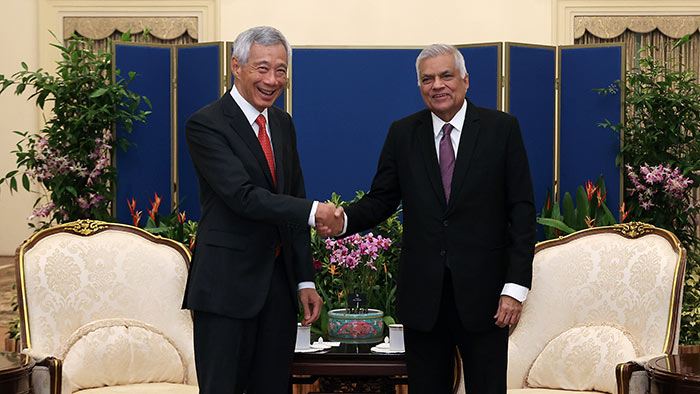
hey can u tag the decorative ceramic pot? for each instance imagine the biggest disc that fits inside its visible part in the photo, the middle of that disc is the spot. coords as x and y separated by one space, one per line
355 327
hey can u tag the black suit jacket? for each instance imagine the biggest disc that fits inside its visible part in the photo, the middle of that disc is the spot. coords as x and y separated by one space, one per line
486 232
244 217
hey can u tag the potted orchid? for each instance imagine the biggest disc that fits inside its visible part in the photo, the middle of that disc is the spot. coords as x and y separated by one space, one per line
355 276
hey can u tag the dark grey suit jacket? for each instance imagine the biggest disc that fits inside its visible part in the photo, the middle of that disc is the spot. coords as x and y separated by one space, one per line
244 217
486 232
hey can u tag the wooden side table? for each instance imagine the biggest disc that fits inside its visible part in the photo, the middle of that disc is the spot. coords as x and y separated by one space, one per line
674 374
15 373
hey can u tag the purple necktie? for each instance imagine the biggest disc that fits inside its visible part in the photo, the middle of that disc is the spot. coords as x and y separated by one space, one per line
447 159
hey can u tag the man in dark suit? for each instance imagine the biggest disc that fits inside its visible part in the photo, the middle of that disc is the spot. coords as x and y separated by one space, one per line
462 175
252 255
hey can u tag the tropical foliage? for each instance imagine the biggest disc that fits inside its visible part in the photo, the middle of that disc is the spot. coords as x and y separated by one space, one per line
70 157
661 152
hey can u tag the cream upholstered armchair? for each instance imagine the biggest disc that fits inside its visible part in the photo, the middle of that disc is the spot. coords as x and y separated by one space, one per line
603 302
100 310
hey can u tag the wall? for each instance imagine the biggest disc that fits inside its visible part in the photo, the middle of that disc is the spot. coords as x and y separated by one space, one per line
304 22
393 22
19 35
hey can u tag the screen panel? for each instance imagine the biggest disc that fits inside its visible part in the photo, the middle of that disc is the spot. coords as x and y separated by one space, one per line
530 96
343 102
144 169
345 99
199 82
587 150
483 63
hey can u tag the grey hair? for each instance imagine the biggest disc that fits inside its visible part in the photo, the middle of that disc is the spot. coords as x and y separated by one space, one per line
260 35
438 50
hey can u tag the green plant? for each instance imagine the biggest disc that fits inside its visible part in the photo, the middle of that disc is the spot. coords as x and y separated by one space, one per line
342 268
661 133
590 210
174 226
70 158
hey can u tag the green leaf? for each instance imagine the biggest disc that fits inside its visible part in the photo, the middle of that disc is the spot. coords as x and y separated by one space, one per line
388 320
99 92
72 191
567 206
25 181
558 224
13 184
24 66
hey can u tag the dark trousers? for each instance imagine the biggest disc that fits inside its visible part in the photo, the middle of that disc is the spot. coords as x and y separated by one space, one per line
430 355
248 355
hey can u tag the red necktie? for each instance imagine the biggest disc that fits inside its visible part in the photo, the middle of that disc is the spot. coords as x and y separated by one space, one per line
266 147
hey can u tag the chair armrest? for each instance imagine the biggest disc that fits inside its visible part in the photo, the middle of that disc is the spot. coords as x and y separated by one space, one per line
54 367
631 376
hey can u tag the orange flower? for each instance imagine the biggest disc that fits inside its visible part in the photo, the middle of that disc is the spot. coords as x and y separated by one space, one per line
191 243
590 222
181 217
135 216
154 207
623 213
333 269
132 205
601 198
590 189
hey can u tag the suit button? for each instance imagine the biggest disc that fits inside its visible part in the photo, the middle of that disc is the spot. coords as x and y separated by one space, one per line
443 253
446 223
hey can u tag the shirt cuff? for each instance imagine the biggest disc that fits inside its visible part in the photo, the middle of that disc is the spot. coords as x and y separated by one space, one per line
516 291
312 214
345 225
306 285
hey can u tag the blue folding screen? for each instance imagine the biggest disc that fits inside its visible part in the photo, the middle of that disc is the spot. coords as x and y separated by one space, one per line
144 169
344 100
587 150
200 80
530 94
483 63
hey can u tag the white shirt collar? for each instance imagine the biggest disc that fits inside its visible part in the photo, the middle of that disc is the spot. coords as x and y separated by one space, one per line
457 121
248 110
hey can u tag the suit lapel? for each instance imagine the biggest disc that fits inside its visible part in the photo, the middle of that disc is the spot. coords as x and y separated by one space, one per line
278 143
239 124
426 140
467 142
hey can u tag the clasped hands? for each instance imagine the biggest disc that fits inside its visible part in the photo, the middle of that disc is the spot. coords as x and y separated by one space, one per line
329 219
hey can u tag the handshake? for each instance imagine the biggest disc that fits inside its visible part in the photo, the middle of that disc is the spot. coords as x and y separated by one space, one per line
329 220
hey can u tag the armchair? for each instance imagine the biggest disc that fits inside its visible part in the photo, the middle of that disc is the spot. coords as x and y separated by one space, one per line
100 310
603 302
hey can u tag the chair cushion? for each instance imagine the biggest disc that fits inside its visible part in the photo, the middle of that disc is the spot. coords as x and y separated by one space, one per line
583 358
120 352
150 388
